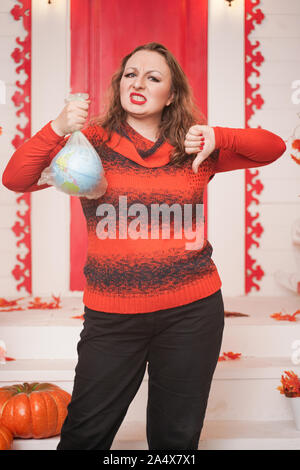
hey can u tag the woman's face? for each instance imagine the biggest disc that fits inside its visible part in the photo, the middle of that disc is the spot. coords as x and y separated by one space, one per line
146 74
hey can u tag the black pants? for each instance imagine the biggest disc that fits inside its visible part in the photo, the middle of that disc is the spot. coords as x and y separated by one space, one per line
181 346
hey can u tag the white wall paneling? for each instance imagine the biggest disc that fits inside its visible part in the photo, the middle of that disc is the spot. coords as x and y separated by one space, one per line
50 86
9 30
226 202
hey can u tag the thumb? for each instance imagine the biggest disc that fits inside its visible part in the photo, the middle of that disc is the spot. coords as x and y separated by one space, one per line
200 157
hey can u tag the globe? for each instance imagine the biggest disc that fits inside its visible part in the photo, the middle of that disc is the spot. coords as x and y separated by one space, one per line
76 170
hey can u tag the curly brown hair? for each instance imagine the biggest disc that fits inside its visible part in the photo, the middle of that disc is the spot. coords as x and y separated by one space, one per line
176 118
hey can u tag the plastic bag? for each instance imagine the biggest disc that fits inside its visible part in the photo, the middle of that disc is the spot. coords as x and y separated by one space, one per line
77 169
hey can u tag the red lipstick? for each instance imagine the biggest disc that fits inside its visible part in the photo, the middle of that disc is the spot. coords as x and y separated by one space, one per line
135 101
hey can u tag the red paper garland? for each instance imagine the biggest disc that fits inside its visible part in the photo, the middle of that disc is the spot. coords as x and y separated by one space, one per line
253 100
22 100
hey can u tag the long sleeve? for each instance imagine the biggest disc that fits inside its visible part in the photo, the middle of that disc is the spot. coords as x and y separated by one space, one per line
30 159
246 148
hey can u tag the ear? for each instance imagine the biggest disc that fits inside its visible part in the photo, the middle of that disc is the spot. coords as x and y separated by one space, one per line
170 99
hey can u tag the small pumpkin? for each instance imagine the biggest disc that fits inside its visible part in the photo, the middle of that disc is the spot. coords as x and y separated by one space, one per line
35 410
6 438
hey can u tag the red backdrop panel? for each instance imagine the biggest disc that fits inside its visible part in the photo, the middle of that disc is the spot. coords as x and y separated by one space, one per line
102 33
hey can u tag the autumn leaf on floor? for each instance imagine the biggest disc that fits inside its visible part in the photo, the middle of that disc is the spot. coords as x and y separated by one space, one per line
79 317
37 304
222 358
229 355
296 146
9 303
232 355
279 316
235 314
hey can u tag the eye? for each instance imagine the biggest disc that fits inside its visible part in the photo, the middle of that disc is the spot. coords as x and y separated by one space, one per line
132 73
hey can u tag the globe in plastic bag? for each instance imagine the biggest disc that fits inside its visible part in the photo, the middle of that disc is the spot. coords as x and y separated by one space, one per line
77 169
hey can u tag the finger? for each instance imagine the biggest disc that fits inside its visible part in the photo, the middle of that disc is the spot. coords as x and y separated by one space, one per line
193 143
193 149
190 150
195 132
197 129
80 121
77 115
81 104
194 136
75 111
77 127
82 114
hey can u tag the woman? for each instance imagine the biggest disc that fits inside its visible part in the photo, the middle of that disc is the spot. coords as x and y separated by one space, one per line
148 300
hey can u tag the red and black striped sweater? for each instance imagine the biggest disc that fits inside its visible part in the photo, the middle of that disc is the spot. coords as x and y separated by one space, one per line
127 275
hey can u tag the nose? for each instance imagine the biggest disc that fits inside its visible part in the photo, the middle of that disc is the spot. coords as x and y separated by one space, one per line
138 83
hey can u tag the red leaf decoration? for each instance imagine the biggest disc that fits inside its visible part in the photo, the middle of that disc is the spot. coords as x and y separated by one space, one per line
8 303
222 358
290 385
280 317
235 314
37 304
229 355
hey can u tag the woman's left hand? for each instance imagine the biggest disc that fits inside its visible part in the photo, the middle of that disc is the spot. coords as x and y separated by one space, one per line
201 140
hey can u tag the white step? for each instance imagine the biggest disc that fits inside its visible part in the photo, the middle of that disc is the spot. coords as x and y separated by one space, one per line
216 435
242 389
42 334
259 334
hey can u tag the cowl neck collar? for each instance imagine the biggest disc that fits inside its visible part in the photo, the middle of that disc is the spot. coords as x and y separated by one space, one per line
129 143
144 146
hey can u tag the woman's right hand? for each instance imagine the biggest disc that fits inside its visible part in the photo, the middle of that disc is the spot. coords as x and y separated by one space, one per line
72 118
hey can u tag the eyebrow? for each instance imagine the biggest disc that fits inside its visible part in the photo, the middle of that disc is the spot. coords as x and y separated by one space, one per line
149 71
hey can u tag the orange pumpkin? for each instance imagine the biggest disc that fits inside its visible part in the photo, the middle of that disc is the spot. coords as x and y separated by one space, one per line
35 410
6 438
